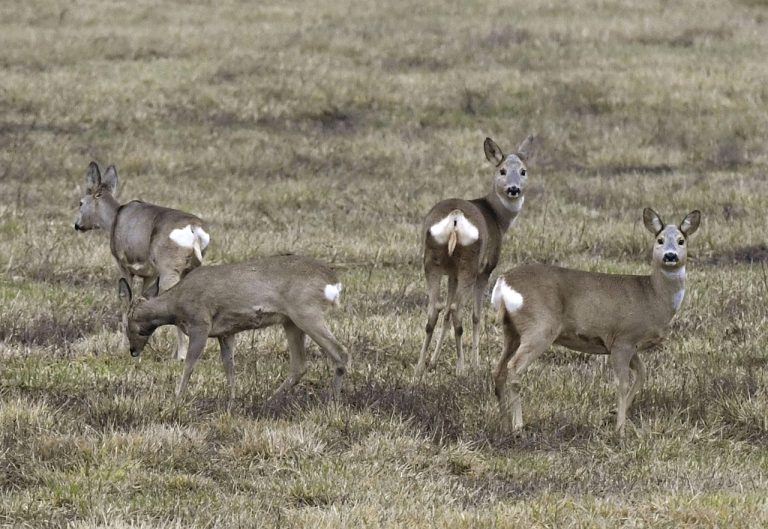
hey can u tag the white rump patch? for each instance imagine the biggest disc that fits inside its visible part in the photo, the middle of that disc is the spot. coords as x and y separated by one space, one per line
202 236
512 299
184 237
193 237
455 222
333 293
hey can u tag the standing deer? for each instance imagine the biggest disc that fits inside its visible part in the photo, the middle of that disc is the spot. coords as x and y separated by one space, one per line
152 242
618 315
220 301
462 239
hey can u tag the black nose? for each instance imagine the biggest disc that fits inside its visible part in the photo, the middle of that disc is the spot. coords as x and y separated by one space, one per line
77 228
135 353
513 191
670 257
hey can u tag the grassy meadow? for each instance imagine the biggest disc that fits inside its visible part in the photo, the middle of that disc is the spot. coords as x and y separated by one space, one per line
329 129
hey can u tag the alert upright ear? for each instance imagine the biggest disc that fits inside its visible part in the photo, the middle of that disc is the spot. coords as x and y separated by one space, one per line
493 152
109 180
652 221
525 148
92 177
124 291
691 222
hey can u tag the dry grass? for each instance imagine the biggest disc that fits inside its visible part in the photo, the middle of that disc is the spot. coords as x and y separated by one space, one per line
329 129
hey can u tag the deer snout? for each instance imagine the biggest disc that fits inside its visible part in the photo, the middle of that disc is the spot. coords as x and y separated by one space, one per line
670 257
135 353
513 191
77 227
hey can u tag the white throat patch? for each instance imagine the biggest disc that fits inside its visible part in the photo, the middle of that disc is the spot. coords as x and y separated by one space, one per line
455 222
512 299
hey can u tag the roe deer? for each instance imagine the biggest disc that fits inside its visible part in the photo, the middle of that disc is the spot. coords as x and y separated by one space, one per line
152 242
220 301
590 312
462 239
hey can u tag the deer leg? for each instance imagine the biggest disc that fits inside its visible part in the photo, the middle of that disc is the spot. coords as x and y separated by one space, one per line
511 344
477 316
167 280
196 345
297 350
227 347
621 356
639 369
433 312
464 285
452 284
319 332
532 345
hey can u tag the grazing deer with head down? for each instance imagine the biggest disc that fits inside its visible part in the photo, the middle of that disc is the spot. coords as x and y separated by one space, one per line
618 315
462 239
152 242
221 301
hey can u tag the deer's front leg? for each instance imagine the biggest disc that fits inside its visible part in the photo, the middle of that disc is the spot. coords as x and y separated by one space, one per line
197 338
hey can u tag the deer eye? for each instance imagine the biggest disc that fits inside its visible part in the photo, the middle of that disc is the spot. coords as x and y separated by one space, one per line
681 242
523 172
660 241
503 172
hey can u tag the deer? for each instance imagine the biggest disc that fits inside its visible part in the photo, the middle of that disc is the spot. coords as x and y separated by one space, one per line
590 312
462 239
152 242
223 300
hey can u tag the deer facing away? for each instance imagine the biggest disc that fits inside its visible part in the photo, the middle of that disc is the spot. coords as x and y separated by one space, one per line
148 241
618 315
221 301
462 239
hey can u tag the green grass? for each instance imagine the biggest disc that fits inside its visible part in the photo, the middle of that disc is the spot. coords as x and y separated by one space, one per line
329 129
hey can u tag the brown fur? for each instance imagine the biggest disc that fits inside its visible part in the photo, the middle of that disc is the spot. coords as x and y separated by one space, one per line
221 301
595 313
469 267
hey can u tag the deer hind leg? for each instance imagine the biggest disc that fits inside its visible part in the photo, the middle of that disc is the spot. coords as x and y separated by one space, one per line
298 353
621 356
477 316
227 347
449 302
316 329
531 345
433 312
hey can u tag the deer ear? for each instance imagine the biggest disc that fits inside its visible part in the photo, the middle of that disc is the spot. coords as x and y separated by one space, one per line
153 289
124 291
691 222
525 148
92 177
493 152
652 221
109 180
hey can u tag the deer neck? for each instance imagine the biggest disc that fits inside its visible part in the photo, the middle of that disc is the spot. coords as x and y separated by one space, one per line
505 212
154 313
107 211
669 286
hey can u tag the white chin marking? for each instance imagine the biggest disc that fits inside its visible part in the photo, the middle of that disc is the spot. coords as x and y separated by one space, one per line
183 237
332 292
455 222
513 204
513 300
679 273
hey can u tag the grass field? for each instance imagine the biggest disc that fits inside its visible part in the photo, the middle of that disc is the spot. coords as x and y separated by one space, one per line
329 129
